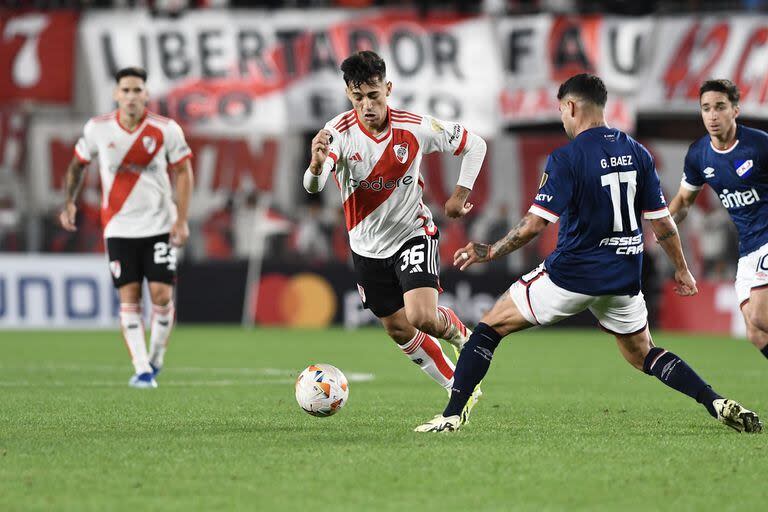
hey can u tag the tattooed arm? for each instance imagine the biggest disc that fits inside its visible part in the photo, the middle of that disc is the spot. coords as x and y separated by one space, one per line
528 228
73 182
667 236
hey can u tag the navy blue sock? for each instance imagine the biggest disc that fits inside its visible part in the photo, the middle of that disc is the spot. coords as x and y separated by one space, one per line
764 350
675 373
473 364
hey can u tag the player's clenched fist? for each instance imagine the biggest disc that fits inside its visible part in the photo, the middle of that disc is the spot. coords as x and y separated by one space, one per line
686 284
320 147
67 217
471 253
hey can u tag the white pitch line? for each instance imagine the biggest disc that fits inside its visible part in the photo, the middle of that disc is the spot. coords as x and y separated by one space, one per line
264 372
114 384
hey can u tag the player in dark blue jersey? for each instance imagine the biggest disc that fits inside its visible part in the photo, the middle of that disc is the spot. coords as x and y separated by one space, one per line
598 186
733 160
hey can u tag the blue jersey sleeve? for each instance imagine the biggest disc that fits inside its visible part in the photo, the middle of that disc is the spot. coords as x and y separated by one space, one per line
650 195
555 189
692 177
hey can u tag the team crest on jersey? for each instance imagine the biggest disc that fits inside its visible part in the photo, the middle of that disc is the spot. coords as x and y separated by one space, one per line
743 167
149 143
114 267
544 178
401 152
436 126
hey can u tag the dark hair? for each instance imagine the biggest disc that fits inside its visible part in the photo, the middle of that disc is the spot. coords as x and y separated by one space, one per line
721 85
364 67
585 86
131 71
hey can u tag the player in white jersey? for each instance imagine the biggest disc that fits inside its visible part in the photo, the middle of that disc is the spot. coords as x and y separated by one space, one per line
375 153
142 225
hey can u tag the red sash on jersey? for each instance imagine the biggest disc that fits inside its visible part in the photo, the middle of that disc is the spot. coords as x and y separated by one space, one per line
141 153
390 167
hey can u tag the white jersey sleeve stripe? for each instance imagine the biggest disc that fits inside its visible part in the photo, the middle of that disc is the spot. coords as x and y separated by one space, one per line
543 213
656 214
688 186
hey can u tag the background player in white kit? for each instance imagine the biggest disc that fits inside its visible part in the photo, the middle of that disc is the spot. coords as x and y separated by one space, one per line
142 225
375 154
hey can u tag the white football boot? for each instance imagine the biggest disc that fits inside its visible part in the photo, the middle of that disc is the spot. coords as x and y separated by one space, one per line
736 416
440 424
143 381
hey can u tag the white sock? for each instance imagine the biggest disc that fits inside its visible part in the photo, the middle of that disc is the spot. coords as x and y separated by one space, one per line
162 323
425 351
133 334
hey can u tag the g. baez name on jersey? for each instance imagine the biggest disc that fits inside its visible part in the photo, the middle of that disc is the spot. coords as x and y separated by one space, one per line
136 191
379 176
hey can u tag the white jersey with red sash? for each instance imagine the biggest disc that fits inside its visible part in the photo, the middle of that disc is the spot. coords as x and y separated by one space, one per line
380 179
136 192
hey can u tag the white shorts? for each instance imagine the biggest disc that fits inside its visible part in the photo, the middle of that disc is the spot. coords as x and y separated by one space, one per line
542 302
752 273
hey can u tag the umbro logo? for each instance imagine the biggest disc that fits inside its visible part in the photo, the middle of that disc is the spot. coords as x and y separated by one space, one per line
709 172
356 157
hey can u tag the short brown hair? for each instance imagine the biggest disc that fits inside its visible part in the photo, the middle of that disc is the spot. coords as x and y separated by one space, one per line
131 71
721 85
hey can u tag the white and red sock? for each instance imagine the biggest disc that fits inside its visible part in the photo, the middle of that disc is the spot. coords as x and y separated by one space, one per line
455 330
133 334
162 324
425 351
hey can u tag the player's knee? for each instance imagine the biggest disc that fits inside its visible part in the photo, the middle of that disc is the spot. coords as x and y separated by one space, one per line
759 319
162 296
398 333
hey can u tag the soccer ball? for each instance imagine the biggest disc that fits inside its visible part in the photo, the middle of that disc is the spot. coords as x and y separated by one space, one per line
322 390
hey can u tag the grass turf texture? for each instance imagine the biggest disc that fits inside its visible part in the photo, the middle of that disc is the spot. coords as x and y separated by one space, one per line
565 424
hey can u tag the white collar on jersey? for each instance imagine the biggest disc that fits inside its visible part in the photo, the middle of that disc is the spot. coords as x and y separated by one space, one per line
723 151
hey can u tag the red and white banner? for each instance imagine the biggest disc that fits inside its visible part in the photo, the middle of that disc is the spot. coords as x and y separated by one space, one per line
37 56
236 72
691 50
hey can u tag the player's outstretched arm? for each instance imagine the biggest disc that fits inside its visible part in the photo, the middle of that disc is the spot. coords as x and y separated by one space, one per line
527 229
184 185
667 236
73 183
681 203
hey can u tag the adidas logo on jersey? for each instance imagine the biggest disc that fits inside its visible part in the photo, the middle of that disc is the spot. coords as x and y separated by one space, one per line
356 157
415 269
709 173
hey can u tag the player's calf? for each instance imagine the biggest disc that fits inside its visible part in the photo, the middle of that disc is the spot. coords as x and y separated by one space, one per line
162 324
133 335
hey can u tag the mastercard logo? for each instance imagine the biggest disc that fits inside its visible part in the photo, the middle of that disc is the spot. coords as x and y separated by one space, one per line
301 300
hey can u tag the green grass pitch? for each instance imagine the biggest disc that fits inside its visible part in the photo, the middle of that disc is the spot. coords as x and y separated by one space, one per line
565 424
